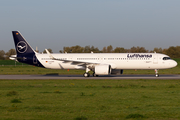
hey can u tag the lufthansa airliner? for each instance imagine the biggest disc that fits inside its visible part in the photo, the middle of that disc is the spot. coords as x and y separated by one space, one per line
98 63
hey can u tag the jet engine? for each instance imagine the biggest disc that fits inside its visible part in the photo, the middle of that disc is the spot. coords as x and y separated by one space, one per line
102 69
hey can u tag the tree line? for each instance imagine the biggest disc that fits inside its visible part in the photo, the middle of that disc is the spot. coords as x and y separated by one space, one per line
173 52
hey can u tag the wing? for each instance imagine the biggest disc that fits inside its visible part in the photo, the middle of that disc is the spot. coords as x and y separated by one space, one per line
80 63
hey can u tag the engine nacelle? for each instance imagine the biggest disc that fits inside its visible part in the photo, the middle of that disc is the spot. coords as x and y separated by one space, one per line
116 71
102 69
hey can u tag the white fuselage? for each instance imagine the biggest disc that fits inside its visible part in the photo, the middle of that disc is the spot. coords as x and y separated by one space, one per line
116 60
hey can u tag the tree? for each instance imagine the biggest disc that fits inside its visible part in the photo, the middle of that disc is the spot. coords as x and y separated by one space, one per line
173 52
10 52
67 49
157 50
104 50
94 50
77 49
133 50
109 49
142 50
138 50
60 51
119 50
87 49
2 55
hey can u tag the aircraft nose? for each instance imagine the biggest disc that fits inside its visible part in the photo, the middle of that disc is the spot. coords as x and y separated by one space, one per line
174 63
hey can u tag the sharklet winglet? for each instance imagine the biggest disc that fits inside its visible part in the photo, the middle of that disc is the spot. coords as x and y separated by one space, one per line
50 54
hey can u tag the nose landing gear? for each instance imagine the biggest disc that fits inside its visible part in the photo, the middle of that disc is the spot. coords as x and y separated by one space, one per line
156 71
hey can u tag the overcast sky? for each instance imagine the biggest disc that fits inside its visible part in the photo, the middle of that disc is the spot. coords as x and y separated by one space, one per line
120 23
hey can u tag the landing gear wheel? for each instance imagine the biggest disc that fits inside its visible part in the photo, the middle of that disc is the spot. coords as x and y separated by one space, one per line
86 74
157 75
156 71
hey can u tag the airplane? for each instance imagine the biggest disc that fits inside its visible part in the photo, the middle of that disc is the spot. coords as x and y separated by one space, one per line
98 63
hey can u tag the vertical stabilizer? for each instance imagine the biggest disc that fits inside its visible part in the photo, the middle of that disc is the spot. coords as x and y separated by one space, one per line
25 53
21 45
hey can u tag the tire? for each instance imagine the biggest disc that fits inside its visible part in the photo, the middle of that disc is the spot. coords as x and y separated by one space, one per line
86 74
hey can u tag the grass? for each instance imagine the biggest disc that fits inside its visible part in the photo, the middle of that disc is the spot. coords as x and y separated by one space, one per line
90 99
87 99
10 63
11 93
15 101
134 116
26 70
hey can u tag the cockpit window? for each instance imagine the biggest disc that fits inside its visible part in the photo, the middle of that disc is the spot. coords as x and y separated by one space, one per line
166 58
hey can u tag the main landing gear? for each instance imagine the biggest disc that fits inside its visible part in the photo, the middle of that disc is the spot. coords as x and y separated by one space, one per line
86 74
156 71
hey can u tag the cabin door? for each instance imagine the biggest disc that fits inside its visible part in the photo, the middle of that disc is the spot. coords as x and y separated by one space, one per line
155 59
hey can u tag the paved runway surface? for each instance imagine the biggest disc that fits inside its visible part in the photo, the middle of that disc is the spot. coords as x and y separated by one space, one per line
26 77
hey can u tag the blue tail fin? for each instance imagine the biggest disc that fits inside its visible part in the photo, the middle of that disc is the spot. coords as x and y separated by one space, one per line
25 53
21 45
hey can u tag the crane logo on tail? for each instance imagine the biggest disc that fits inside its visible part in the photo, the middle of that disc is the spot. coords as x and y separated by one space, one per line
21 47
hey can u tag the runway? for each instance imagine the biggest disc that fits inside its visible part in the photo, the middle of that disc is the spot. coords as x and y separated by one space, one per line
65 77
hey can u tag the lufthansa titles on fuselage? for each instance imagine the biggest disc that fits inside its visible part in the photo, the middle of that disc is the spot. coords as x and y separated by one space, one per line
139 55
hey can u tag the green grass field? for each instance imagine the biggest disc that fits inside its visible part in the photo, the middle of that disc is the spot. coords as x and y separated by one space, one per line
90 99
